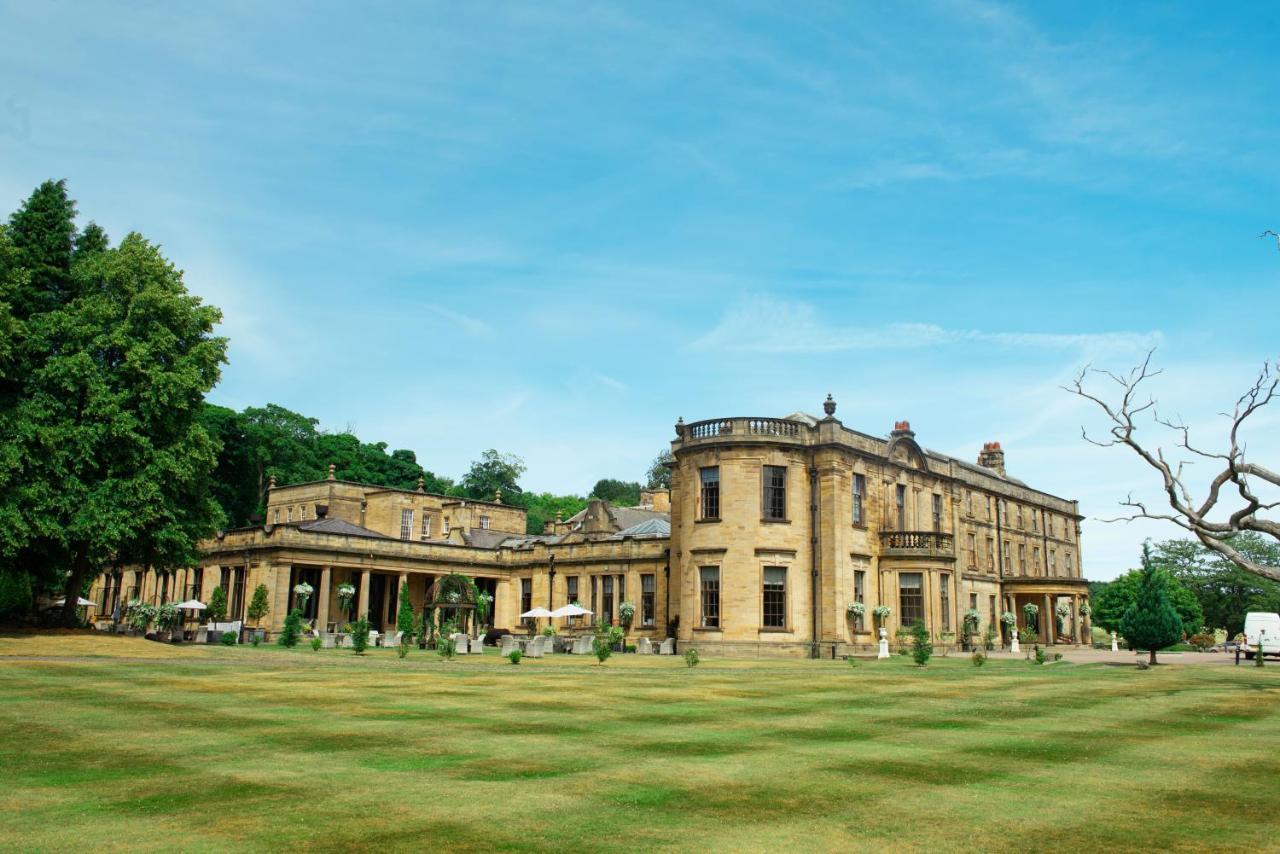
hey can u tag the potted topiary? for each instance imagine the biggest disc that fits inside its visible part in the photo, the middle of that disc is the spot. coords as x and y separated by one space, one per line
259 607
216 612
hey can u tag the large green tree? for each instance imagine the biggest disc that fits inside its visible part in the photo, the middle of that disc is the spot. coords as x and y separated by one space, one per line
1151 622
493 472
103 457
1225 591
659 474
623 493
1110 600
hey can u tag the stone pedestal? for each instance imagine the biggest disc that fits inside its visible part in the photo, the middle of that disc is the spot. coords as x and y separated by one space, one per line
884 644
1115 647
1013 647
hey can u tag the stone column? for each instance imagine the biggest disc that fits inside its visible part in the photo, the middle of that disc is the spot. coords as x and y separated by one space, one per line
362 607
1046 620
1075 617
322 599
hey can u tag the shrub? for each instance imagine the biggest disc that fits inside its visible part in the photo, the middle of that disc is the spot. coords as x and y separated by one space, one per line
921 644
514 656
629 648
292 629
228 638
1057 656
140 615
989 639
167 617
979 658
691 658
1040 657
255 639
217 610
445 646
15 596
1202 641
360 635
549 631
403 649
606 636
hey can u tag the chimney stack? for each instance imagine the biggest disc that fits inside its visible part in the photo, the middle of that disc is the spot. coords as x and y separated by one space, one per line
992 457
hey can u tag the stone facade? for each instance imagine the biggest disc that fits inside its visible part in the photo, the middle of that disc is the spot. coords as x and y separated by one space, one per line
772 529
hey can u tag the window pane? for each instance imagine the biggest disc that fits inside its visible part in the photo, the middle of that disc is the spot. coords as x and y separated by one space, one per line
710 477
710 577
911 597
859 491
775 492
775 597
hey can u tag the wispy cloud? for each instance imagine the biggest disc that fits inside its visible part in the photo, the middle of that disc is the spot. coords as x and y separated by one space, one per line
769 325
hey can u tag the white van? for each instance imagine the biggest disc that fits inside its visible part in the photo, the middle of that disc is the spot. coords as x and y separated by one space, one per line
1259 625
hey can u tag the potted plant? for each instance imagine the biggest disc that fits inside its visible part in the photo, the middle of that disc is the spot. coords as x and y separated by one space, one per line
167 618
302 592
626 613
346 597
259 607
1062 611
856 610
1032 611
972 620
881 613
139 616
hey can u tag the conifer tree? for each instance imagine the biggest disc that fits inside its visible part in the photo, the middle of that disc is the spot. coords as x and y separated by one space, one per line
1151 622
404 616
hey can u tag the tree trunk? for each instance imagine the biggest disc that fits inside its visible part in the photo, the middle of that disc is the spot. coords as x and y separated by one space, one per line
1153 656
75 583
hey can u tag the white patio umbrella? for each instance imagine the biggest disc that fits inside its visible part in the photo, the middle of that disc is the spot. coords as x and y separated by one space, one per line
191 605
536 613
571 611
80 602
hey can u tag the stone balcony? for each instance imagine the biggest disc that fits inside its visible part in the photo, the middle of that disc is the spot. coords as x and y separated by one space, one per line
745 429
917 544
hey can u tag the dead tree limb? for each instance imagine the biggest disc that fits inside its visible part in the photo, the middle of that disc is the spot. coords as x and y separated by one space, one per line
1233 486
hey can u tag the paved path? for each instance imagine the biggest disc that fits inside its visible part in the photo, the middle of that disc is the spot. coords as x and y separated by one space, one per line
1093 656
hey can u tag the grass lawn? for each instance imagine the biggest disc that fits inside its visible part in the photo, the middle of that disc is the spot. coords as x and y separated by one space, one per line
116 743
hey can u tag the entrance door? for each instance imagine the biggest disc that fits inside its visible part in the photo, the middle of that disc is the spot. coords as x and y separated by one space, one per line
377 603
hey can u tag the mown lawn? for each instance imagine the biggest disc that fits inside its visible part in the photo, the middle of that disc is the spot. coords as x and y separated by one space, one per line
113 743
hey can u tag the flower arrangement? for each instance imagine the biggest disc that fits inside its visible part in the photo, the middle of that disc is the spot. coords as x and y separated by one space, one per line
346 595
1085 610
1009 618
857 609
626 611
1031 609
882 612
971 619
1062 609
303 591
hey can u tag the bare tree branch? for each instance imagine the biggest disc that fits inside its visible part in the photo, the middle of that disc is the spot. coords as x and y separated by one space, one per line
1237 471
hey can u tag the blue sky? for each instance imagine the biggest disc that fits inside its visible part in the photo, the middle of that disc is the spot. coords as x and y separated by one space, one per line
553 228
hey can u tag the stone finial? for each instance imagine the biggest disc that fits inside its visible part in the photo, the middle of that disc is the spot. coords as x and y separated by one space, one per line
559 517
680 426
497 496
271 482
332 469
829 406
422 482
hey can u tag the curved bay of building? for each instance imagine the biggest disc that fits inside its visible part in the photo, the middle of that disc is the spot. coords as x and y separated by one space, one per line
779 536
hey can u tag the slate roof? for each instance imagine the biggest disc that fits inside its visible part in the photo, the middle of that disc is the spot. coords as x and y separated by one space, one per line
333 525
626 517
649 529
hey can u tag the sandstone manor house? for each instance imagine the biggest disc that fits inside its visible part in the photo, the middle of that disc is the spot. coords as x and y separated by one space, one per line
772 530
